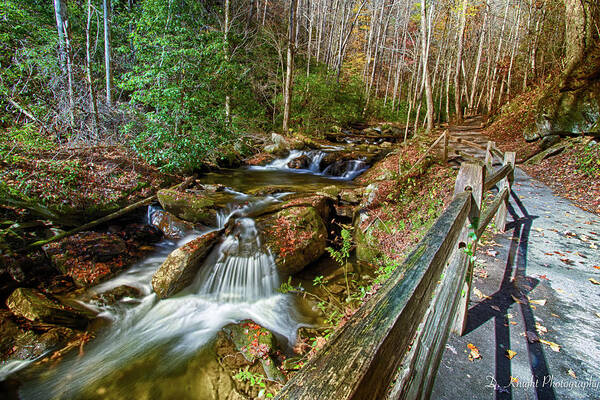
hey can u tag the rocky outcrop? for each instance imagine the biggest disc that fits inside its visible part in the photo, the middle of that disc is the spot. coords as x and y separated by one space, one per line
296 236
194 206
36 307
182 265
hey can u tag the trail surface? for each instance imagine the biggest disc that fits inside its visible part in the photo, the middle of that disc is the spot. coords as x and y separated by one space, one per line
536 293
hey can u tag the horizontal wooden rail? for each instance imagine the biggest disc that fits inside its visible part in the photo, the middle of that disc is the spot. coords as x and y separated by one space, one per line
361 360
497 177
392 346
438 140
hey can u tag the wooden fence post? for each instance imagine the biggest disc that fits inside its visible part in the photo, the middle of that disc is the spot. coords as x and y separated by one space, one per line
470 177
445 151
509 158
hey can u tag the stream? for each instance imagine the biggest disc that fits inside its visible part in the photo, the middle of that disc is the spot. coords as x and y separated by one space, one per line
150 348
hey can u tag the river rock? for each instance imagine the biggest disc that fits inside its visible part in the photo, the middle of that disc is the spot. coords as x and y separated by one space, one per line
367 246
171 226
29 345
181 266
8 331
112 296
251 339
302 162
296 236
36 307
92 257
198 206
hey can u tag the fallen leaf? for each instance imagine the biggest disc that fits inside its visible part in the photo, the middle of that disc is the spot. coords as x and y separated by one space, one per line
479 294
597 266
495 308
510 354
539 229
516 300
595 282
553 346
572 373
538 302
474 354
512 322
540 328
598 314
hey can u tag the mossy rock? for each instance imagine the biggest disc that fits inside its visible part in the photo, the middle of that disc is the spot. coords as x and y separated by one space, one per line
296 236
198 206
251 339
366 244
36 307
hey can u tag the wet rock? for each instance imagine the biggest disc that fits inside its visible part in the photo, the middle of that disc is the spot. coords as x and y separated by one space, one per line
302 162
296 236
181 266
251 340
114 295
36 307
171 226
30 345
199 206
91 257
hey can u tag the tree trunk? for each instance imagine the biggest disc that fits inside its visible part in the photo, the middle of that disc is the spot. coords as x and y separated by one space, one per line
88 58
107 52
290 67
64 54
226 48
425 57
461 34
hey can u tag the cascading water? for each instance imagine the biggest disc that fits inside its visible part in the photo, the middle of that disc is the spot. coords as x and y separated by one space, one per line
239 269
237 281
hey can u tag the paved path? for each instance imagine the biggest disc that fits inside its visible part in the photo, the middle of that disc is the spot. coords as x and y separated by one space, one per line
537 278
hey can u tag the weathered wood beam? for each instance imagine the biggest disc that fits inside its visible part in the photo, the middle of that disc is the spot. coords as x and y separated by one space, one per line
497 176
361 359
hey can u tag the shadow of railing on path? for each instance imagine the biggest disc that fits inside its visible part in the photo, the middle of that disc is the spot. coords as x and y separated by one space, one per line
514 288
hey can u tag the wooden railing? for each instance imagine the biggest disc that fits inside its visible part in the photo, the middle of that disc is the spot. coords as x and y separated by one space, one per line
392 346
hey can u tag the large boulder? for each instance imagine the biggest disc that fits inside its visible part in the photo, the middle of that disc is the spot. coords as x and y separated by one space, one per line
296 236
92 257
182 265
36 307
197 206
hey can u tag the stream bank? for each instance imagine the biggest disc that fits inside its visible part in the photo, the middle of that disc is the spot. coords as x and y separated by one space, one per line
234 205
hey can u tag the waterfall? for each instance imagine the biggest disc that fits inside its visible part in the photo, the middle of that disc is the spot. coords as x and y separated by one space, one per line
239 269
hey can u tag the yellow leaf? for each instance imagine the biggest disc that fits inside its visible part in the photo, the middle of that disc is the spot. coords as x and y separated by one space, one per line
474 354
538 302
598 314
572 373
510 354
553 346
540 328
595 282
